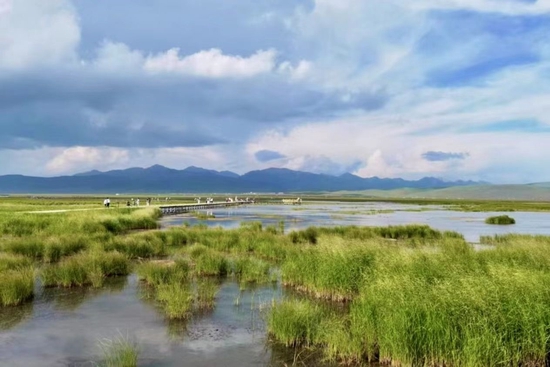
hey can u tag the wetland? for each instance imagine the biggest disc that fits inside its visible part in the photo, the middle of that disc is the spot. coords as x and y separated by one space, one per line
320 284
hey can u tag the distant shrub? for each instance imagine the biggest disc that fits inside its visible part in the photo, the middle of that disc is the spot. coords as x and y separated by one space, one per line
500 220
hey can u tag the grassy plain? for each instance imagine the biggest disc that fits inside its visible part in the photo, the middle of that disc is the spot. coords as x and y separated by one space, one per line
406 295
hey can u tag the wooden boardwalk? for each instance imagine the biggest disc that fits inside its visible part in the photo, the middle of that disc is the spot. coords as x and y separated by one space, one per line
186 208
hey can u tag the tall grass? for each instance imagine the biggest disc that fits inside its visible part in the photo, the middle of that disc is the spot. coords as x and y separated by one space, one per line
85 269
424 306
251 270
119 352
16 286
176 300
211 263
159 273
206 293
296 322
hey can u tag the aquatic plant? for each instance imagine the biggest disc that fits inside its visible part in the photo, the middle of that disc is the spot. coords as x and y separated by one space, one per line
295 322
176 300
138 246
119 352
164 272
85 269
500 220
207 289
211 263
16 286
250 270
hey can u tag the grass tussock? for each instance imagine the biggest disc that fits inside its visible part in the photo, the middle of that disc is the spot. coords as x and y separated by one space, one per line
16 286
500 220
85 269
207 289
296 323
176 300
160 273
119 352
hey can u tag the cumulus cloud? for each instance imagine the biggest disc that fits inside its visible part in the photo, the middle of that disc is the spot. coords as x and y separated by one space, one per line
84 158
373 87
37 33
213 64
435 156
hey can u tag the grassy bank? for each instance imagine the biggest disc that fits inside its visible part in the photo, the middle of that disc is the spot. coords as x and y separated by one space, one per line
442 304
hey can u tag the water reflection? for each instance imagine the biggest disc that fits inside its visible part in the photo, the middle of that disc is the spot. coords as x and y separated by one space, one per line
70 299
10 317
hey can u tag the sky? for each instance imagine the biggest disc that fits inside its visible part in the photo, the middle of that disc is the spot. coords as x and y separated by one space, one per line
454 89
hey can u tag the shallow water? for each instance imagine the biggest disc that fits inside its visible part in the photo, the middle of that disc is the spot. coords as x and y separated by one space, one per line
64 327
471 225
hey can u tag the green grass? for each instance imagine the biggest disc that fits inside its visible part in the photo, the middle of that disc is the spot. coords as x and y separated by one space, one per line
207 289
85 269
176 300
500 220
211 263
159 273
138 246
119 353
251 270
16 286
295 322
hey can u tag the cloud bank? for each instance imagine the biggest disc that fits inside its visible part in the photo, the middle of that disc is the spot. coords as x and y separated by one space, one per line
374 88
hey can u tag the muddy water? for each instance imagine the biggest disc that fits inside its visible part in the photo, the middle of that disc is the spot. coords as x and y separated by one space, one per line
471 225
65 327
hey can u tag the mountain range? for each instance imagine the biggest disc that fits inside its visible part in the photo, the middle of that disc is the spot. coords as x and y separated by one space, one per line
199 180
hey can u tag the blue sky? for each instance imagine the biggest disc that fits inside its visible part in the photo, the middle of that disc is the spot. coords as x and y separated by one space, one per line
457 89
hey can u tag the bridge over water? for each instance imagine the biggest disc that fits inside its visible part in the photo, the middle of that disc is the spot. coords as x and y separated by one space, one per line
186 208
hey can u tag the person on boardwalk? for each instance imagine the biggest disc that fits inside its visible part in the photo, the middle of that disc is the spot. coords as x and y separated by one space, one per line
108 203
137 202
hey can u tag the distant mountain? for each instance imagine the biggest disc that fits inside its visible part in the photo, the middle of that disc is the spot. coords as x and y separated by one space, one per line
199 180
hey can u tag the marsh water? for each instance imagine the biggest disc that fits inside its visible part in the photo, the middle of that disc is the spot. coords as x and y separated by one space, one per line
471 224
66 327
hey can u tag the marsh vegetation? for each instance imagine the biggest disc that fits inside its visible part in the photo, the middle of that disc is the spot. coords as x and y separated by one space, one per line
407 295
500 220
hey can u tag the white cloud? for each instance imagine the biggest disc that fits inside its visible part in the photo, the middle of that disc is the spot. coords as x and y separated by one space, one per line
37 33
509 7
118 57
80 159
213 63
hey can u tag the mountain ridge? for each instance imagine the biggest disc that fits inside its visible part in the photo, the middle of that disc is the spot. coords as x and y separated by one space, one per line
193 179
